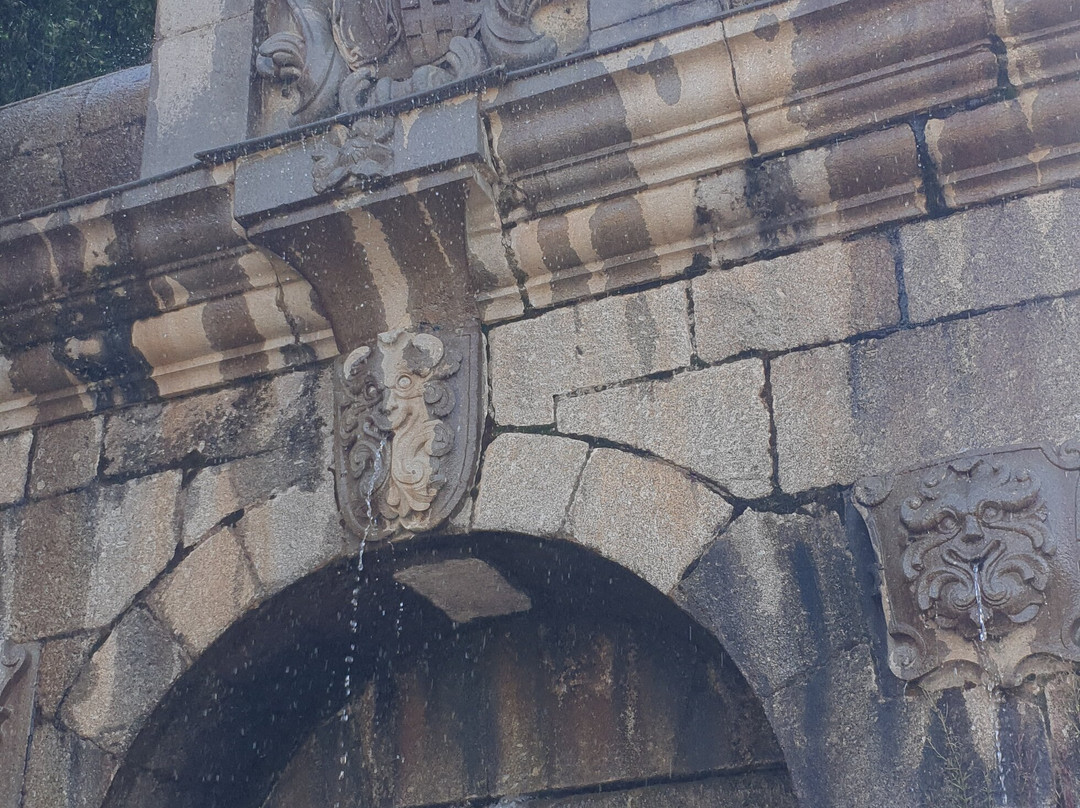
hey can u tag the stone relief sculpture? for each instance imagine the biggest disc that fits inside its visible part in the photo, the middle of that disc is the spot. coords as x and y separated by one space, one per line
344 55
347 55
979 561
408 416
18 675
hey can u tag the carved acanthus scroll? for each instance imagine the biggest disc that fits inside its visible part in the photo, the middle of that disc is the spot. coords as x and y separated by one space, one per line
408 416
979 560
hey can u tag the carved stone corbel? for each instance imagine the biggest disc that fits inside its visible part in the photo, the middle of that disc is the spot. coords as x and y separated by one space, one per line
980 572
18 679
408 416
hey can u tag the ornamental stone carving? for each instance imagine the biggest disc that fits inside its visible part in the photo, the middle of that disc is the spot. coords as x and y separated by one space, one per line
344 55
979 563
18 678
408 419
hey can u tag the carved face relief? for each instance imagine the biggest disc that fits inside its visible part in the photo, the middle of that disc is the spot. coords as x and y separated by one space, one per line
979 561
408 420
977 545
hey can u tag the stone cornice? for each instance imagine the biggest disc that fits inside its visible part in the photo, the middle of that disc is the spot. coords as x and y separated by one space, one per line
761 131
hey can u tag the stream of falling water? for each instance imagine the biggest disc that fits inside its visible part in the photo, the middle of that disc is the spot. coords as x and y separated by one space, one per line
980 611
980 614
354 618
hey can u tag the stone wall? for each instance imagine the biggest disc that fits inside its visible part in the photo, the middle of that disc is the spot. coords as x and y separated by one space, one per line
72 142
721 274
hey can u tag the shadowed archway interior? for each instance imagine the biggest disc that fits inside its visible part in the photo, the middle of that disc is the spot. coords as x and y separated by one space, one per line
593 689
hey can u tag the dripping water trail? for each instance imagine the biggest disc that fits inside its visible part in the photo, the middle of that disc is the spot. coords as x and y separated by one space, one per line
980 616
980 610
354 617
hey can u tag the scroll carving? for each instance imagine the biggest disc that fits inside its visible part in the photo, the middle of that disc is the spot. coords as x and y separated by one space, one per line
979 560
18 675
408 417
344 55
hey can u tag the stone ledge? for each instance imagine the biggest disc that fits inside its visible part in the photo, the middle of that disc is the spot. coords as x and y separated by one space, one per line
807 70
1019 146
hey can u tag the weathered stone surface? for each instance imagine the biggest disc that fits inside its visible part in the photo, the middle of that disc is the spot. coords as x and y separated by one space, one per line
823 294
115 99
44 120
527 482
645 515
797 574
1015 146
15 461
30 181
844 745
217 493
65 457
199 92
61 661
812 195
205 594
102 159
292 534
808 71
815 444
992 256
1001 378
123 681
1062 695
713 422
81 558
286 410
64 769
464 589
176 16
594 343
1042 40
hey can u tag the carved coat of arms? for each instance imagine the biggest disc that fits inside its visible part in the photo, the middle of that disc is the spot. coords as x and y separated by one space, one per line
343 55
978 560
409 412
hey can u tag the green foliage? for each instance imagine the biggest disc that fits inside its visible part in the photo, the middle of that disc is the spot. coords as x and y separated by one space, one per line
45 44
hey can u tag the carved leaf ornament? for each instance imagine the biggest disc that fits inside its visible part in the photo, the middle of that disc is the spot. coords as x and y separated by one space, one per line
406 425
979 561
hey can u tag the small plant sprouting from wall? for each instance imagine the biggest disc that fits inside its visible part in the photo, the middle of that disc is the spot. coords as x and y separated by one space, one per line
954 775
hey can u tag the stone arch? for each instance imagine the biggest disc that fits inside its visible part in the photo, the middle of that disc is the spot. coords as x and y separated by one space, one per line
266 691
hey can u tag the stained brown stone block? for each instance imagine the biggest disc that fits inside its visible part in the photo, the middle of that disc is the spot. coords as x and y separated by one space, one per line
1042 38
61 662
76 563
809 70
207 592
811 195
1015 146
